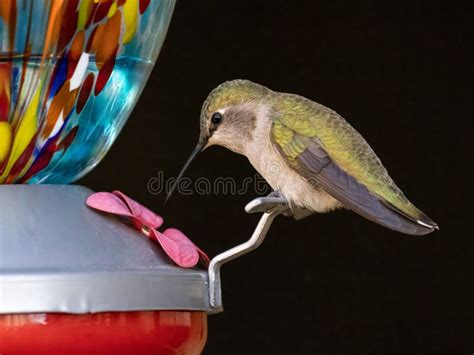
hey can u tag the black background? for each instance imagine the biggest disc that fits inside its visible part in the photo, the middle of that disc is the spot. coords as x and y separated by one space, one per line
333 283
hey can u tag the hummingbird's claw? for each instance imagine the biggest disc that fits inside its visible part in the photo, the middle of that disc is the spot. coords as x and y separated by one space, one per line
265 204
273 201
269 203
276 193
295 212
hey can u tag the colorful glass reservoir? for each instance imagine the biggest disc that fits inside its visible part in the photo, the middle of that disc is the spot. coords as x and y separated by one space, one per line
71 71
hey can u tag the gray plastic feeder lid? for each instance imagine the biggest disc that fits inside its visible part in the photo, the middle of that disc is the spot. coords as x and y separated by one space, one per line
58 255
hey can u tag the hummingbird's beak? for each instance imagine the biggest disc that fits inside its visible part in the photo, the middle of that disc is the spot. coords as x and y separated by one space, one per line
199 148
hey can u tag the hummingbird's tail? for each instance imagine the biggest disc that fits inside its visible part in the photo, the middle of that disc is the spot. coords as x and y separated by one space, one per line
389 216
416 224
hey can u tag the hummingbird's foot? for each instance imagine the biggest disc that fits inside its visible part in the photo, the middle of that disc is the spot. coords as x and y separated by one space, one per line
295 212
277 194
267 204
275 200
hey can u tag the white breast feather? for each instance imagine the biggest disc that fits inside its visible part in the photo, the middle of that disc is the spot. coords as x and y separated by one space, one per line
271 165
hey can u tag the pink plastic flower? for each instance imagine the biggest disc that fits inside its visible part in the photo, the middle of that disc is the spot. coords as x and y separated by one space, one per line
174 242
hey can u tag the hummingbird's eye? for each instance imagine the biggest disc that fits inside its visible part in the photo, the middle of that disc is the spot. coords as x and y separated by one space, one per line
216 117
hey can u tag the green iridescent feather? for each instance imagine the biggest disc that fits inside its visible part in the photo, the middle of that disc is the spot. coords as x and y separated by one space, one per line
301 120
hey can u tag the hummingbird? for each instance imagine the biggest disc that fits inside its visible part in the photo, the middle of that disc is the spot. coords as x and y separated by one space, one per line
308 154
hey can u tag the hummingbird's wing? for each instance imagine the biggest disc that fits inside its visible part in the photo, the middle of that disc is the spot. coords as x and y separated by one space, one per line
324 149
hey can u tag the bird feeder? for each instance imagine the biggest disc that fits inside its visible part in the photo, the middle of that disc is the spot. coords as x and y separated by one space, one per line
76 281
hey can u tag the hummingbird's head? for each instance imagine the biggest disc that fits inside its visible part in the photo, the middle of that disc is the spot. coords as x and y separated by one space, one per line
228 117
229 114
